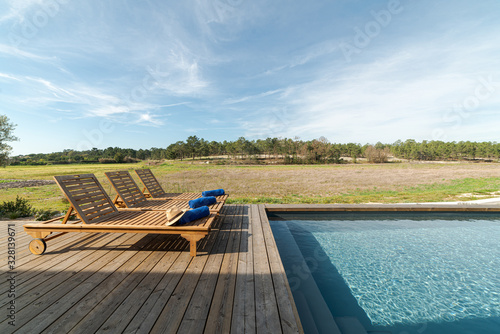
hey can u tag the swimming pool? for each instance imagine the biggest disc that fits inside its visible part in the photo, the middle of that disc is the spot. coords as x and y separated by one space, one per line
400 272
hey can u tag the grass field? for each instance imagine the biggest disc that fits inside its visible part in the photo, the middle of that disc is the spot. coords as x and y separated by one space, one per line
350 183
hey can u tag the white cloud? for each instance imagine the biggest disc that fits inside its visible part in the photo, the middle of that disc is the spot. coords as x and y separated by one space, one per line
401 95
85 101
16 52
8 76
179 76
18 9
252 97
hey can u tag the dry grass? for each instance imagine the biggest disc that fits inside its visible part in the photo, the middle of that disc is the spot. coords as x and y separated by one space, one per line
360 183
323 180
326 181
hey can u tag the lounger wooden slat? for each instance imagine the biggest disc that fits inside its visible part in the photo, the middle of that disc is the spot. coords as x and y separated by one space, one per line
155 190
93 204
101 216
86 190
69 183
152 188
150 182
89 196
130 196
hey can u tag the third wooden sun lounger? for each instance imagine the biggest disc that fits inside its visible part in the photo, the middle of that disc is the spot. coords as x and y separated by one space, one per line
130 197
97 213
155 190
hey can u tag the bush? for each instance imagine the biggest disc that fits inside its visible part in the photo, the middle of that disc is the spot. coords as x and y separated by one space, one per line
15 209
131 160
377 155
42 215
119 157
107 161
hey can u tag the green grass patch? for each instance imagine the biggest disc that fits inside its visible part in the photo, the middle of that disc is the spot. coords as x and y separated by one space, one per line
255 187
437 192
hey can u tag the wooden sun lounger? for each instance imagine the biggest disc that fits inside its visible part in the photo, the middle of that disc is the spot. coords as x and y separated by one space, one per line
152 188
130 197
97 213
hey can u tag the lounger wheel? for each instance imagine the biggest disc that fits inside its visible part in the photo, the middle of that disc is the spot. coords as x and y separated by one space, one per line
38 246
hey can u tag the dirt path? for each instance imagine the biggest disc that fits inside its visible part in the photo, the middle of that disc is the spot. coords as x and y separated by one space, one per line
23 183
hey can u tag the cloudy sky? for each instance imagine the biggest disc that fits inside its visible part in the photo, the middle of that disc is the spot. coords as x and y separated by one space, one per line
142 74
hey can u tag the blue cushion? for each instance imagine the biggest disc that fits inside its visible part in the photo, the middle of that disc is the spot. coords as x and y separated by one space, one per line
194 214
202 201
216 192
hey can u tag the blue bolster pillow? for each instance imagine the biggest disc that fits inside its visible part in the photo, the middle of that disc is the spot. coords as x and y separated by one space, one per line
202 201
216 192
194 214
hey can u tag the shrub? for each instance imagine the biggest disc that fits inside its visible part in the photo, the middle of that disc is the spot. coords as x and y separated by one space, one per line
107 161
377 155
131 160
18 208
42 215
119 157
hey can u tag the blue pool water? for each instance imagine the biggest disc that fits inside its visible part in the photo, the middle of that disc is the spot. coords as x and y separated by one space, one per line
399 272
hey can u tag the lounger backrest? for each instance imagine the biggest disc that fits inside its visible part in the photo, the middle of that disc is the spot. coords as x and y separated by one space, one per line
150 182
126 187
87 197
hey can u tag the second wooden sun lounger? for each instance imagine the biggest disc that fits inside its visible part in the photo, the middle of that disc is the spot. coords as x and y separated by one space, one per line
98 214
130 197
154 189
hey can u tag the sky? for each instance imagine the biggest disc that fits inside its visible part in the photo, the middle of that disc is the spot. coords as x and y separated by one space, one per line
142 74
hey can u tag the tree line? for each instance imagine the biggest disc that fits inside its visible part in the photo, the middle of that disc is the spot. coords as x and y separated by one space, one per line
284 150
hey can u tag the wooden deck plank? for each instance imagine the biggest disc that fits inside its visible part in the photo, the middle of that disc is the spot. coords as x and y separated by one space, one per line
72 313
32 279
289 316
28 269
75 274
131 305
196 314
151 311
25 257
34 302
219 318
146 317
243 320
107 305
55 303
267 315
173 312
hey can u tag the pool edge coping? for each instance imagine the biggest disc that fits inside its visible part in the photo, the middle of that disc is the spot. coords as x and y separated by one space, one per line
383 207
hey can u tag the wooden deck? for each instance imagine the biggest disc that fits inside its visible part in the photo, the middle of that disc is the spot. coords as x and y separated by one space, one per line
137 283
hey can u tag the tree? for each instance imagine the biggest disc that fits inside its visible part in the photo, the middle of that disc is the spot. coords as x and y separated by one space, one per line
119 157
376 155
6 135
193 145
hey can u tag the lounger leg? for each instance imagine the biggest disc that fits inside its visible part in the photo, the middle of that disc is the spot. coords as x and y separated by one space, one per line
193 239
